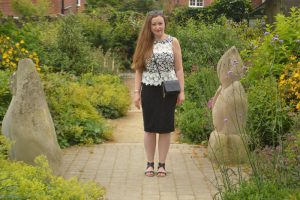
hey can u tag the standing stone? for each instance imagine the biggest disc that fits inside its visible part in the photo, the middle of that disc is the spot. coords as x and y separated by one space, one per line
227 143
28 122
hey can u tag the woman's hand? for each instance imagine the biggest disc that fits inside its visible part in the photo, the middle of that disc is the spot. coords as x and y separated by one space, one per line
180 98
137 100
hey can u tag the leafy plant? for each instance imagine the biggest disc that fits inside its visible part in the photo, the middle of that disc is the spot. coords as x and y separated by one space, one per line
193 118
75 118
271 51
5 95
114 100
21 181
268 116
202 45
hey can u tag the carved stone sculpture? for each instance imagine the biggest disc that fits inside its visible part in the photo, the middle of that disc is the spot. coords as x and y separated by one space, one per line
228 143
28 122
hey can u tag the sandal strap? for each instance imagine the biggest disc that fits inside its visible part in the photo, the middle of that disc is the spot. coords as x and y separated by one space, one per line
150 164
161 165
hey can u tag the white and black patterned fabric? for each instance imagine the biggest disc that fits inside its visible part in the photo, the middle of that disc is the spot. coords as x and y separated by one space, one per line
163 59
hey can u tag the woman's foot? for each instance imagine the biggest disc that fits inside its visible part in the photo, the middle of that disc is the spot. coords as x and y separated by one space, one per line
150 169
161 170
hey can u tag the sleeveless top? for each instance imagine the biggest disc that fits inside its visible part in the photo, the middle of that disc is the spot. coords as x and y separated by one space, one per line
163 59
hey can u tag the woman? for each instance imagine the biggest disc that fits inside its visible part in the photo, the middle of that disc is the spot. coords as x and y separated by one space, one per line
157 57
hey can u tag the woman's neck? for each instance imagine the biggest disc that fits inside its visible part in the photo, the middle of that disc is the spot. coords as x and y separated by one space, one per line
162 37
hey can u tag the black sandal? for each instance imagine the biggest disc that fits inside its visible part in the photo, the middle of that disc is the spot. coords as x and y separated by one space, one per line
159 173
150 173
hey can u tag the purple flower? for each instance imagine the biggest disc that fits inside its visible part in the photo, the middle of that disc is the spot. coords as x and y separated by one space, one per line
275 38
281 41
298 41
254 47
244 68
230 73
225 120
266 33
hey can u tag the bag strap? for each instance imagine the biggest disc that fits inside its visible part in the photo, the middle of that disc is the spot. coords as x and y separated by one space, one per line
156 65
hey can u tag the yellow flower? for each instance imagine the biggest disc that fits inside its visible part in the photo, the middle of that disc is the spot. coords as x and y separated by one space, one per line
296 75
17 45
298 106
22 42
4 56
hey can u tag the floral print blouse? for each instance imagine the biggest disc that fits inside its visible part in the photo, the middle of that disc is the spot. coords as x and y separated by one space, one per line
162 59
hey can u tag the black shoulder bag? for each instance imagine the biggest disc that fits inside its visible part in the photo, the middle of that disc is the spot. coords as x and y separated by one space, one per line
171 87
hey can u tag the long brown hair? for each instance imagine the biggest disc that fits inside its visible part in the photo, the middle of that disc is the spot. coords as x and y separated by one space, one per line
144 46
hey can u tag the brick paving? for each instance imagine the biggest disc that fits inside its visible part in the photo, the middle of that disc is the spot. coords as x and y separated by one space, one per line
119 166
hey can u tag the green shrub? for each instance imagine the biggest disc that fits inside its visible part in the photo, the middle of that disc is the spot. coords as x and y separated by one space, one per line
5 95
76 119
237 10
193 118
194 123
66 49
4 146
21 181
271 51
249 190
202 45
268 118
109 95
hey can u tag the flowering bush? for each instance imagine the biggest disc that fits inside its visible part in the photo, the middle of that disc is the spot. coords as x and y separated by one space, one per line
271 52
11 52
289 84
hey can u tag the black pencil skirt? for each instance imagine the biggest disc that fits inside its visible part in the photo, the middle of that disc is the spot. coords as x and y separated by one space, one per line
158 111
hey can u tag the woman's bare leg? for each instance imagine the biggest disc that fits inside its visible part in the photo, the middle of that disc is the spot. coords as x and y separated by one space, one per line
150 145
163 149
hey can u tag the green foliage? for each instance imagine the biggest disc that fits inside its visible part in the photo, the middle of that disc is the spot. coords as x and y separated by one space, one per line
126 26
237 10
5 95
193 118
120 5
268 117
4 146
66 48
75 118
28 8
272 51
21 181
194 123
202 45
267 190
109 95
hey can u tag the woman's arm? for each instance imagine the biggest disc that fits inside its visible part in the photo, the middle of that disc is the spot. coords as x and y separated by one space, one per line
179 69
137 88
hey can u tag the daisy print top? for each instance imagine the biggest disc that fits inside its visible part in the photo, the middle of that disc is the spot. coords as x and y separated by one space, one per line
163 59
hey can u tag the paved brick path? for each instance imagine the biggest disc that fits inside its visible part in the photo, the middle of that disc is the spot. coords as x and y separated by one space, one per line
119 166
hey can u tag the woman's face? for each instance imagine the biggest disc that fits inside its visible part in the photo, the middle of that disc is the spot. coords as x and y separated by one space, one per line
158 26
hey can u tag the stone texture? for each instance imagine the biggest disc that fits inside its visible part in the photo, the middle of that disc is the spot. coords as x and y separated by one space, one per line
227 143
28 121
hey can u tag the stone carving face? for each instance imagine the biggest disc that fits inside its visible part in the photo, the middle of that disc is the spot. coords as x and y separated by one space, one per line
230 67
